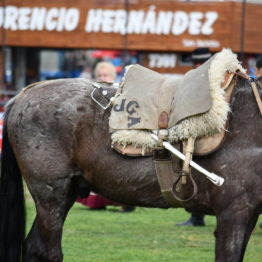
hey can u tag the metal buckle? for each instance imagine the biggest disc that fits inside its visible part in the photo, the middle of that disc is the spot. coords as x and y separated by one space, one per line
112 99
93 98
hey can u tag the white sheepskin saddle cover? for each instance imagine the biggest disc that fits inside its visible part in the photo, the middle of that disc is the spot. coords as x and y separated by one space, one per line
195 104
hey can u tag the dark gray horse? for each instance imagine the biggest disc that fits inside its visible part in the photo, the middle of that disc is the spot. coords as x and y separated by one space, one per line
57 139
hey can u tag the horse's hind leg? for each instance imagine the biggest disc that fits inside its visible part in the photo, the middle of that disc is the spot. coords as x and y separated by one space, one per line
53 200
234 227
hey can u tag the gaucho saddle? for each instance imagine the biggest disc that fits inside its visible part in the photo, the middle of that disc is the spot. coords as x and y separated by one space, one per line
191 111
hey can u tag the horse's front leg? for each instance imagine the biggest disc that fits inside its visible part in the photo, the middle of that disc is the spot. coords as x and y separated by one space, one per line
234 227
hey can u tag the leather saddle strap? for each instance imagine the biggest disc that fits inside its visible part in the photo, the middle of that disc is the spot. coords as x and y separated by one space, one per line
254 88
188 148
257 96
259 84
166 176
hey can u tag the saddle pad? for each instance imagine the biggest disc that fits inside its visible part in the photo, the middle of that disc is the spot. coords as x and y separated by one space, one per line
201 125
207 145
192 94
146 94
203 146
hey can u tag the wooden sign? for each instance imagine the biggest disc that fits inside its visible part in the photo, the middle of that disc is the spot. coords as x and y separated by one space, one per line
165 25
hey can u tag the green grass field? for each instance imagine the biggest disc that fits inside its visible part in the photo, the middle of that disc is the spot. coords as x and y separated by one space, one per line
146 235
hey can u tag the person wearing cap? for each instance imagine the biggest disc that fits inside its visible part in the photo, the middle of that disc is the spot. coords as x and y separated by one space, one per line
199 56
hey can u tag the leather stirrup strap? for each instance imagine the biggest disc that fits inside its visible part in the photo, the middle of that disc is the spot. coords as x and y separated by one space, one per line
166 176
188 149
182 181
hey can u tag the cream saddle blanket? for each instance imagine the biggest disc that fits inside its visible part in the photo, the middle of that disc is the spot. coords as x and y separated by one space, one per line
195 104
146 94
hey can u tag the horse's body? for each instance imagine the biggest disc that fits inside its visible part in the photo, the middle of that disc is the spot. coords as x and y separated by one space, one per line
58 135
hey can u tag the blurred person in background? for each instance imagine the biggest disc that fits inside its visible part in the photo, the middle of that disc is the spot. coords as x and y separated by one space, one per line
199 56
86 73
104 72
258 71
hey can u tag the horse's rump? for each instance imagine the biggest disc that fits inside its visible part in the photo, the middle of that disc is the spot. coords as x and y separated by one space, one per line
12 218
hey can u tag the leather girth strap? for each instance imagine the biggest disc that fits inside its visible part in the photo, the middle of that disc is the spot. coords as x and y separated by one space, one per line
176 186
166 175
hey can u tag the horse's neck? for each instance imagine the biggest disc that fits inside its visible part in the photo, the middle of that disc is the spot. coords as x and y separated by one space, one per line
243 102
245 117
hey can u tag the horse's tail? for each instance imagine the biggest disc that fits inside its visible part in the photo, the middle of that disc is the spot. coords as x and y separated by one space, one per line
12 205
